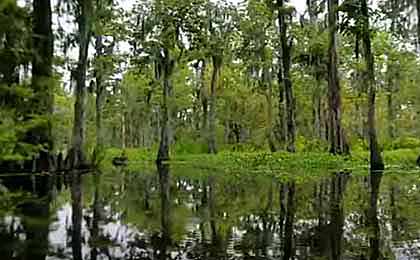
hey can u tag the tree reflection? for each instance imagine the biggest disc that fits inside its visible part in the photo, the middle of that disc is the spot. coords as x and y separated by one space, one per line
35 219
338 186
288 248
96 216
372 219
165 214
77 215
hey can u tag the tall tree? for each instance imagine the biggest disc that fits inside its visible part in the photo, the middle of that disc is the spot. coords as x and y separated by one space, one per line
42 70
99 79
84 22
334 92
284 15
216 38
376 161
104 61
174 18
256 53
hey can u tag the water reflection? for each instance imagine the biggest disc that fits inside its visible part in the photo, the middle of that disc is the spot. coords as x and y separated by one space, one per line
27 237
174 214
77 215
373 222
162 244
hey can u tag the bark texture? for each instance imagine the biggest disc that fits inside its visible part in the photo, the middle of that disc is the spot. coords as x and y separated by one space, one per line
42 62
168 65
376 161
217 64
334 92
100 93
77 155
283 14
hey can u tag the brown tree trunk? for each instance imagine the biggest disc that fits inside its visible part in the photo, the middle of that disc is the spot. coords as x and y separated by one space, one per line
42 62
376 161
77 155
334 91
287 83
217 64
165 135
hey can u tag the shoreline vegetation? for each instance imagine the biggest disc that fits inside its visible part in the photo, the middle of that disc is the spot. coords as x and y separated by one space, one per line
266 162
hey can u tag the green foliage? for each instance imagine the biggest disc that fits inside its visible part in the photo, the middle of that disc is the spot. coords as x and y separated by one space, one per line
405 142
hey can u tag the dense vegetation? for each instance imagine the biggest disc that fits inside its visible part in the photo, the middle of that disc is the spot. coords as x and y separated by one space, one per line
254 79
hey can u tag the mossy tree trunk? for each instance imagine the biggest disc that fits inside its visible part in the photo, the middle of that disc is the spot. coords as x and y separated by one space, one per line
100 88
77 155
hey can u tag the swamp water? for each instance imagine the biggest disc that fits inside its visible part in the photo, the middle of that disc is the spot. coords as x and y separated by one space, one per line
199 214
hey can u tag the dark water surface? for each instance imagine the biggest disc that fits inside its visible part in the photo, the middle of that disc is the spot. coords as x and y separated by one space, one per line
188 214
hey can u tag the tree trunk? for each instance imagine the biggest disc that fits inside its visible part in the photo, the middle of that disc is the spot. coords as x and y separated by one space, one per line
77 156
217 64
165 135
418 23
376 161
280 132
334 91
204 102
100 91
266 84
391 115
316 96
123 131
287 83
270 135
316 111
42 62
418 27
